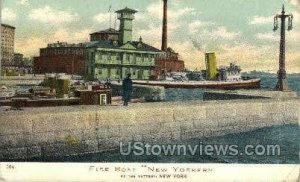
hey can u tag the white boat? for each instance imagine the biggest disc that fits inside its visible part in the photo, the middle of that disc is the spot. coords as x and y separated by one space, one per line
224 85
6 93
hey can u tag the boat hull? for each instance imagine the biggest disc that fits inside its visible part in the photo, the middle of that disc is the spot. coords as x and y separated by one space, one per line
245 84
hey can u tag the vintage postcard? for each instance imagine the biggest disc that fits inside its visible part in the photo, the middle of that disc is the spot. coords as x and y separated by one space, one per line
150 90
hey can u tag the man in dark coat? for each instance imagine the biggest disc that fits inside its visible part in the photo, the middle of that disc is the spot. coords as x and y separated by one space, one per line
127 89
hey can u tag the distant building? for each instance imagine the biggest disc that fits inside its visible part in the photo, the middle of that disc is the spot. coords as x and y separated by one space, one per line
7 45
167 63
230 73
18 60
108 34
61 57
114 59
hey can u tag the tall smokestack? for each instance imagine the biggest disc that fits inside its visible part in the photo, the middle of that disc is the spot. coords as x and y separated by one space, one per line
164 44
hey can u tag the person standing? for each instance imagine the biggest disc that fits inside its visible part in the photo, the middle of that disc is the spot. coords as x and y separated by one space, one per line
127 89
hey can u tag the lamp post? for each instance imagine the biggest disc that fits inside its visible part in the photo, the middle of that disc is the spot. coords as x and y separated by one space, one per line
282 84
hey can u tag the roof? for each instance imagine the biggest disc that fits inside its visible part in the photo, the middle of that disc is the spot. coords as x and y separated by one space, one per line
109 30
9 26
66 45
140 46
127 10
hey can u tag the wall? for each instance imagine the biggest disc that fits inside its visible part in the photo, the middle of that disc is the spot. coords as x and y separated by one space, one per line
69 64
48 132
169 64
150 93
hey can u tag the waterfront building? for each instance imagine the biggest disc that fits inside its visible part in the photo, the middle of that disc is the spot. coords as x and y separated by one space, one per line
114 59
61 57
7 45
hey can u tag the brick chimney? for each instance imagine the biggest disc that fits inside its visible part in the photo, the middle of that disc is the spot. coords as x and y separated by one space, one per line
164 44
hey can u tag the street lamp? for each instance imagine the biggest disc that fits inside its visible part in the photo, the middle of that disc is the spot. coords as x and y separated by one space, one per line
282 84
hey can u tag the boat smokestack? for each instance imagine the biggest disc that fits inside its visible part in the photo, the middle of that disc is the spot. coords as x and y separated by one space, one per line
164 44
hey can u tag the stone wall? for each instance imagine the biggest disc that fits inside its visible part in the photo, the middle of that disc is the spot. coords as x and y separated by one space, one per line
62 131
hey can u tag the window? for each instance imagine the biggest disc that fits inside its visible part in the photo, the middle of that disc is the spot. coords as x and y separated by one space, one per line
93 56
118 71
133 71
102 54
109 56
142 58
127 57
127 71
118 56
134 59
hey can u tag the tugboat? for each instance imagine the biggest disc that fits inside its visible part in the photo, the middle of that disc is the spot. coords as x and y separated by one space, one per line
224 78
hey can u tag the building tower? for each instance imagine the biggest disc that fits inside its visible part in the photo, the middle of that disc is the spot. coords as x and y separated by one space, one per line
164 45
282 84
126 16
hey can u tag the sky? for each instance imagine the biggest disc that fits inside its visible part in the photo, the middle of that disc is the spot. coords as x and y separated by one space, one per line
239 31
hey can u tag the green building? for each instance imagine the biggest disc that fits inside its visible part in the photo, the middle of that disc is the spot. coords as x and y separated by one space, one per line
211 66
115 59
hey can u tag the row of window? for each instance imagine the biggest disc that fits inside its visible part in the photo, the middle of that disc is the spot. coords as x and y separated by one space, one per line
118 71
5 39
45 52
8 35
7 49
9 46
124 56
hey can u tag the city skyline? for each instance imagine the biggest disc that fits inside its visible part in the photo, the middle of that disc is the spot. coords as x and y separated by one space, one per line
240 32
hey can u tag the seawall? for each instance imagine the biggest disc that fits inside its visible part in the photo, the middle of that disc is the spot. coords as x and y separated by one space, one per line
62 131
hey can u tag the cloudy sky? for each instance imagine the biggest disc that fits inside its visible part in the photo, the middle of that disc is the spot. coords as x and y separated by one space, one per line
240 31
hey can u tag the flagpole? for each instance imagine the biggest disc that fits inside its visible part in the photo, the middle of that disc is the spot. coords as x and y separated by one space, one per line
115 21
109 16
